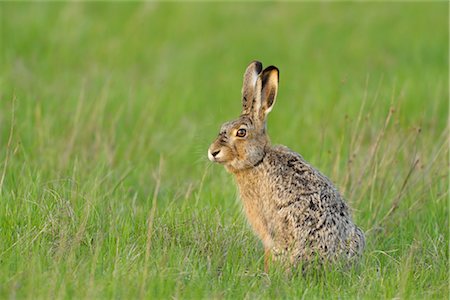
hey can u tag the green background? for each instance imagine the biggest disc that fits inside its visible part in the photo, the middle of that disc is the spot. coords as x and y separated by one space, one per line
107 111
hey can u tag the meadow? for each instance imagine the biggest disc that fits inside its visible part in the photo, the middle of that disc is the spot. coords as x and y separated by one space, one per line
107 111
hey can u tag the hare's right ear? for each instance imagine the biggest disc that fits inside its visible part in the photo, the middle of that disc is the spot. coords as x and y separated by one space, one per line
269 89
249 86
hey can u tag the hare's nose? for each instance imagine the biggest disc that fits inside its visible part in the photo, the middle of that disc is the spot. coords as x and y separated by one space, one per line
212 154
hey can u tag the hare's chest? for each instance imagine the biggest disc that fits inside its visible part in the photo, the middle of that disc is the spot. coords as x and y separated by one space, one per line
255 194
255 191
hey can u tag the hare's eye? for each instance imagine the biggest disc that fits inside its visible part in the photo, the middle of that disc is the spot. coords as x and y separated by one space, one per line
241 132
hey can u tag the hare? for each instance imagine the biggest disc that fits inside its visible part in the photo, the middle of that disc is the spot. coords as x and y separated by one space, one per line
296 211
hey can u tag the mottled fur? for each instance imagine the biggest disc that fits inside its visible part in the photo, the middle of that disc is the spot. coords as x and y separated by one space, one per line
295 210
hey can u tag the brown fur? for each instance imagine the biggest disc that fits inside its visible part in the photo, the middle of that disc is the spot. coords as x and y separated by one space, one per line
295 210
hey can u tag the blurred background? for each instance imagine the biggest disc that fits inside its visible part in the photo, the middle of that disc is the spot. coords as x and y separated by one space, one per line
107 106
159 78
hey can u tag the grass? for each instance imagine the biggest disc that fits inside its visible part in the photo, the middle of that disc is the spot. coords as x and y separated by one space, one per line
107 109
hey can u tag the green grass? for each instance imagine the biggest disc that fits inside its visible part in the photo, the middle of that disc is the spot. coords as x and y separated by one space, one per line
107 110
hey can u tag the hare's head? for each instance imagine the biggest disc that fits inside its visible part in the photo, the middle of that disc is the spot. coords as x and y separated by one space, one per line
242 142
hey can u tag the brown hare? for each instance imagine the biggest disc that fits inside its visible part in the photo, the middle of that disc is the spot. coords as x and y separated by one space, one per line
296 211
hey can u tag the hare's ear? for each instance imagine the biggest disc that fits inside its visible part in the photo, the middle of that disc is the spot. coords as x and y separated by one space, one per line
268 83
249 86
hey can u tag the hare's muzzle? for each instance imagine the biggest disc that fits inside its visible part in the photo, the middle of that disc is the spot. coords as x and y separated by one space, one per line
213 154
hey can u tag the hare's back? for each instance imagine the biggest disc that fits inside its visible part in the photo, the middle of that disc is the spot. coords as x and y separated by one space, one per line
295 181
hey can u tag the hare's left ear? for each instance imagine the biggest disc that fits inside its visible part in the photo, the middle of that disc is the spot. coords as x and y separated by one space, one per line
268 85
249 92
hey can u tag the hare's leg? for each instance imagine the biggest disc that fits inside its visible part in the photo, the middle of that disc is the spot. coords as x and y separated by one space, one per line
266 259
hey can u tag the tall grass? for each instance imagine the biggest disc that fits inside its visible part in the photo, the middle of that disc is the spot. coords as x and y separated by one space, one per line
107 110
